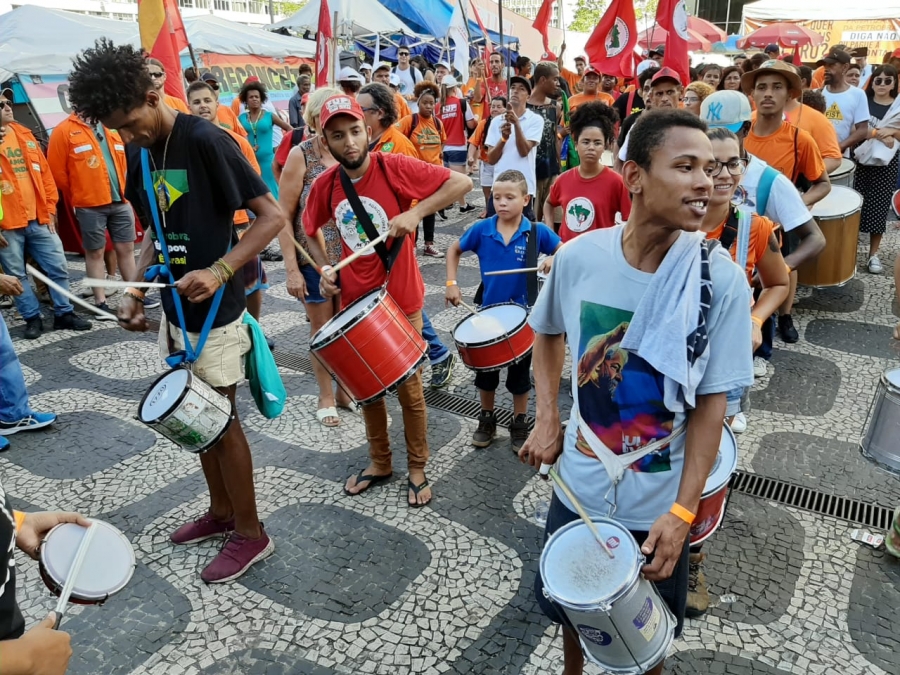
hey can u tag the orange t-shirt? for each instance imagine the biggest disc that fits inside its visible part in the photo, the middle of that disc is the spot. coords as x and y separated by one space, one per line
761 228
178 104
227 120
818 78
819 127
777 150
19 161
402 106
393 142
477 108
601 96
572 78
478 137
429 141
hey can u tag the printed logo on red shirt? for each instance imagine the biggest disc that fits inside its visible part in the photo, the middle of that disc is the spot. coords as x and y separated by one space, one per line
351 230
580 214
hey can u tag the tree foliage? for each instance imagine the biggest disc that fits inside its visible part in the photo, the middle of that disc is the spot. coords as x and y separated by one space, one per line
588 12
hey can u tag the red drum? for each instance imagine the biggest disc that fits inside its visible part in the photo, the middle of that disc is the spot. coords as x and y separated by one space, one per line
370 346
495 337
712 504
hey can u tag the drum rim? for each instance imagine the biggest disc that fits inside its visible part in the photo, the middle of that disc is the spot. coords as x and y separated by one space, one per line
177 402
89 600
835 190
869 457
619 592
710 489
840 172
367 309
639 668
890 386
396 385
491 369
492 341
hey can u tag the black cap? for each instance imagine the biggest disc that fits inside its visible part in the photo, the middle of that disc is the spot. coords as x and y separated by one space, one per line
209 77
660 49
835 55
771 48
521 80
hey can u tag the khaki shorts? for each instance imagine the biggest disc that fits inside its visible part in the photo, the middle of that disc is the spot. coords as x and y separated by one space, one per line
221 363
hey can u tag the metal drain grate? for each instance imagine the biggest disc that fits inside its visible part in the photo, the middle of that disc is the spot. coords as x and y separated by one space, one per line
754 485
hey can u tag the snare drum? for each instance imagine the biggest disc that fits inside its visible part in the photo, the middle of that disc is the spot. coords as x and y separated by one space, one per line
712 505
623 624
838 217
370 346
880 443
496 337
844 174
108 564
186 410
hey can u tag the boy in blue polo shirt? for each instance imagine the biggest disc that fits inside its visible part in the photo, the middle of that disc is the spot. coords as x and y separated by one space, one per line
500 242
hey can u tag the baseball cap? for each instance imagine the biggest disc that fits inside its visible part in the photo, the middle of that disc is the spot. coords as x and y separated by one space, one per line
787 71
660 50
729 109
590 70
349 74
365 66
521 80
581 58
665 73
339 105
442 63
208 77
836 55
772 47
381 65
7 92
395 80
645 65
449 81
895 54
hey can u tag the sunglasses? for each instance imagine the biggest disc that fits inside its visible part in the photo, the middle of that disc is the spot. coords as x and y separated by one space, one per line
5 104
403 54
883 80
156 76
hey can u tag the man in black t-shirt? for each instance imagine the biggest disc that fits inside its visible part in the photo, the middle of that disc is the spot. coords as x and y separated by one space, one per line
542 102
200 178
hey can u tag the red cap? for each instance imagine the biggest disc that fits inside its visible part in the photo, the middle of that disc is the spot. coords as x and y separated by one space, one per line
252 78
591 70
665 73
340 105
896 54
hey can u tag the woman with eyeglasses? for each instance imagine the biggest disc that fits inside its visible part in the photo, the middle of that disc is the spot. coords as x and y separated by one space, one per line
158 74
259 123
877 183
694 94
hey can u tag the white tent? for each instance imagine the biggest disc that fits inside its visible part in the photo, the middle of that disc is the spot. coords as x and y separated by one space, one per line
209 33
816 10
44 41
363 18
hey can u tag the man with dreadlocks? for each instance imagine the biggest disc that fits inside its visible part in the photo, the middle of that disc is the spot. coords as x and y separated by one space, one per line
187 177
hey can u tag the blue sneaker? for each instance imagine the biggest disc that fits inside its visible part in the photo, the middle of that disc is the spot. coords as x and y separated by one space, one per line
33 421
4 444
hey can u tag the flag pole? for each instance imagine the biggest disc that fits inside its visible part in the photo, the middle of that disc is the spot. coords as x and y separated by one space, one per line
500 26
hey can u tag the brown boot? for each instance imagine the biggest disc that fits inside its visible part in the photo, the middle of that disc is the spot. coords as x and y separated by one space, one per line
698 594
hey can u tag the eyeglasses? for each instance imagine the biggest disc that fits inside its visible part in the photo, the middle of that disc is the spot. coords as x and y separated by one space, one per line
368 110
156 75
5 104
736 167
883 80
691 100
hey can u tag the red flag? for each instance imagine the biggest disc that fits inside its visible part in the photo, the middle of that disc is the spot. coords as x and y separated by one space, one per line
176 25
158 40
610 47
488 49
542 24
672 16
322 37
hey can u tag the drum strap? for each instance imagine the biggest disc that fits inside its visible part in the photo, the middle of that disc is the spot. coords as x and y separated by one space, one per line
531 256
388 257
737 228
190 353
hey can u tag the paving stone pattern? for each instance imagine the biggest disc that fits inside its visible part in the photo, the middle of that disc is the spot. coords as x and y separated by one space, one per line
366 585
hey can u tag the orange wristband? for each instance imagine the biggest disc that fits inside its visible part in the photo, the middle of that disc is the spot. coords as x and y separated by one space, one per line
678 510
20 518
452 282
755 319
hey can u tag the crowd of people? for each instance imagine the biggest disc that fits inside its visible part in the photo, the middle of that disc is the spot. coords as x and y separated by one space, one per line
690 202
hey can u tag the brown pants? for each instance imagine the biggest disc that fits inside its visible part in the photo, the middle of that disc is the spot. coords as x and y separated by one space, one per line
415 421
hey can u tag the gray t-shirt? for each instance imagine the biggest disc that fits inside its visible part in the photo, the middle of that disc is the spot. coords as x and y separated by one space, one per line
591 295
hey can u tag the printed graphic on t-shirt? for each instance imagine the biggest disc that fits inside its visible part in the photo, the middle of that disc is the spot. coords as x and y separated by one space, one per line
580 214
176 181
351 231
17 159
426 137
620 396
834 113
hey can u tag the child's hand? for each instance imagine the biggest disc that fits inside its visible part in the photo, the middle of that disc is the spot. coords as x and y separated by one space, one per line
545 266
452 295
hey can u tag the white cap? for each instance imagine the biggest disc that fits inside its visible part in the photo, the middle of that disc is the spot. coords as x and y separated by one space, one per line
729 109
395 79
443 63
449 81
366 66
348 74
380 65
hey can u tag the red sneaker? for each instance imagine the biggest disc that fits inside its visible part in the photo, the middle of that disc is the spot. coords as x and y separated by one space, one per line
205 527
237 556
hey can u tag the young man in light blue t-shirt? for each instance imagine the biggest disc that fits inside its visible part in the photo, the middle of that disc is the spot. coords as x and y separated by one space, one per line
591 298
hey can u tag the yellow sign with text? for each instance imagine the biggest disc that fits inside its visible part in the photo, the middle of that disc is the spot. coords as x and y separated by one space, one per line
879 36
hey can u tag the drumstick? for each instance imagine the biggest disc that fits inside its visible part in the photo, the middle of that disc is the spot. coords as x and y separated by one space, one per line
63 602
78 301
368 247
578 507
306 256
471 309
115 283
521 270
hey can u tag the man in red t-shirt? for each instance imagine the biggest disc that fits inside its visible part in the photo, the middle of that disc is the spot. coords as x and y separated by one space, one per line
387 185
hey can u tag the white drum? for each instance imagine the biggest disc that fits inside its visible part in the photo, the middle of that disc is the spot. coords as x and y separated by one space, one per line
711 509
108 564
623 624
880 443
844 174
495 337
186 410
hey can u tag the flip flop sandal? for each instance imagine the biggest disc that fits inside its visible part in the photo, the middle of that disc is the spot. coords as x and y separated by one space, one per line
370 480
323 414
350 407
416 490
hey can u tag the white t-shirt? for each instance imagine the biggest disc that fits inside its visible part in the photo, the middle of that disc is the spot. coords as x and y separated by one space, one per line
785 205
591 294
408 81
846 110
532 128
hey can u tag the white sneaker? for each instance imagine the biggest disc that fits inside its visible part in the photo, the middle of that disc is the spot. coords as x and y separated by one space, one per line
875 265
739 423
112 277
760 366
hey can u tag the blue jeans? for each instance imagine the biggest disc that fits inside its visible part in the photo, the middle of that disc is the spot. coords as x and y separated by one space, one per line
13 397
46 248
437 350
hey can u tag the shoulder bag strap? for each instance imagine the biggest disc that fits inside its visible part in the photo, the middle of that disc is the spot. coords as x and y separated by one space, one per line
190 353
729 233
745 225
769 175
531 257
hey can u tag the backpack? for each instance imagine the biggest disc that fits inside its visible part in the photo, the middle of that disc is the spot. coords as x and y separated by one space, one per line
764 188
801 182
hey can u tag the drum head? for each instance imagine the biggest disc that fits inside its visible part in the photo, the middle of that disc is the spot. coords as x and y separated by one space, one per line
725 464
841 201
345 317
847 165
108 564
490 323
163 395
577 572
